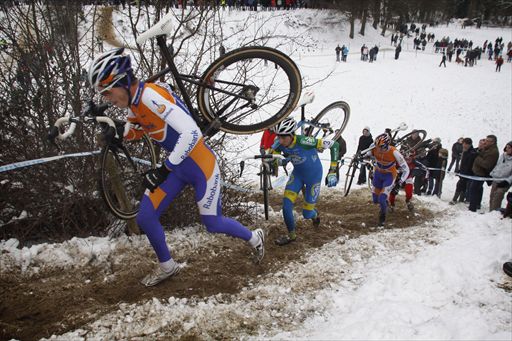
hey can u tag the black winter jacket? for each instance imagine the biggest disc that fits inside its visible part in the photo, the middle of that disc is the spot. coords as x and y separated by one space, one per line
466 163
364 142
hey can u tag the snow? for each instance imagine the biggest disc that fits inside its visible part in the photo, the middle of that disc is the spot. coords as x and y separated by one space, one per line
437 280
446 291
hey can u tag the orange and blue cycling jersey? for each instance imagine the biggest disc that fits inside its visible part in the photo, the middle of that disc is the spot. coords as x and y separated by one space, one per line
386 162
165 118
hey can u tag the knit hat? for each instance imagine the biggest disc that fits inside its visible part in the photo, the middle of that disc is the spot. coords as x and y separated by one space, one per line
367 128
443 152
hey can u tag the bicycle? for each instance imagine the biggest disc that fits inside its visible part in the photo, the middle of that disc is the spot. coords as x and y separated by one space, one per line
266 170
329 123
238 93
244 91
358 160
122 163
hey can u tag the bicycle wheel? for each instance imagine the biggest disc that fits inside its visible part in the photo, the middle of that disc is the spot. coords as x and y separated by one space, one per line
351 172
249 89
121 178
266 186
406 143
333 117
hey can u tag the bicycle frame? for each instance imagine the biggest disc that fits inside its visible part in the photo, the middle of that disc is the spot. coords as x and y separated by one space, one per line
208 129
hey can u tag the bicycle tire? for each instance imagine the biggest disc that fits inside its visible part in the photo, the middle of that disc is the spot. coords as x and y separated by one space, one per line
401 140
328 121
246 69
351 172
122 191
266 186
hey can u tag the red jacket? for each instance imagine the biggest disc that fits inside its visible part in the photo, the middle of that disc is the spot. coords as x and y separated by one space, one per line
267 140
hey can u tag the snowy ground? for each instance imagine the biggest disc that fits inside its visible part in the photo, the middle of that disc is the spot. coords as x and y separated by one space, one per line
437 280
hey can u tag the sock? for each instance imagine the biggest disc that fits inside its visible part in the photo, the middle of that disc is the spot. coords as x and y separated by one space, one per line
167 266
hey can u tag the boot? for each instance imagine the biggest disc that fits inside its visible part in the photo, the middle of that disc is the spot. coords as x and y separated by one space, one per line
455 198
316 220
382 218
410 205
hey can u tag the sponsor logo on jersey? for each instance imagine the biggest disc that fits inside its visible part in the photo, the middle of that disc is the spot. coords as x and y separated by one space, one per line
191 145
160 108
315 191
213 192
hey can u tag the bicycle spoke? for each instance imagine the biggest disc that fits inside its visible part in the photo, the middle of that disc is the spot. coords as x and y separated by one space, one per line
261 88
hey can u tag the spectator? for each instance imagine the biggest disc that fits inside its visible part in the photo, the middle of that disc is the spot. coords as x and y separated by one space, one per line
503 169
441 165
443 60
365 141
222 50
432 161
482 167
456 155
267 140
343 148
508 209
449 51
397 51
344 53
338 52
468 157
499 63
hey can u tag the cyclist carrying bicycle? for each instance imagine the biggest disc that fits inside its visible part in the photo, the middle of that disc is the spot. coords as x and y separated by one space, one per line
387 158
166 119
302 151
410 158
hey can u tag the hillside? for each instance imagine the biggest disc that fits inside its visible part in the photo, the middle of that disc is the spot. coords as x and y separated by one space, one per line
434 273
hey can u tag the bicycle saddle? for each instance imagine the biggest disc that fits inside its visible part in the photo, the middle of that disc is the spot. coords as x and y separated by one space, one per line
162 27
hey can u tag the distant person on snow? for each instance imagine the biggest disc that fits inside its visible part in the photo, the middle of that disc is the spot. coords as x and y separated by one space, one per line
499 63
344 53
164 117
397 51
443 60
338 52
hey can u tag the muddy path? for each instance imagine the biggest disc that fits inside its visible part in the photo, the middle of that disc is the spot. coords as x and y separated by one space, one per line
55 301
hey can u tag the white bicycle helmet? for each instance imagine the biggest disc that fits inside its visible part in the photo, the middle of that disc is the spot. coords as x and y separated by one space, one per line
110 69
286 127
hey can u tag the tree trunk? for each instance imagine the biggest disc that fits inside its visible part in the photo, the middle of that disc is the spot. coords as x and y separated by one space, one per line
352 19
376 13
363 22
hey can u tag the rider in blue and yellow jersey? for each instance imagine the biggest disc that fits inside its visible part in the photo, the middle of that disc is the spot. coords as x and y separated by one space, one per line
387 158
302 152
156 109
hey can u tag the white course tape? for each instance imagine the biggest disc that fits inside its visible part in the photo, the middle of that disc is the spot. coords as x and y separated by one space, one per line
27 163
